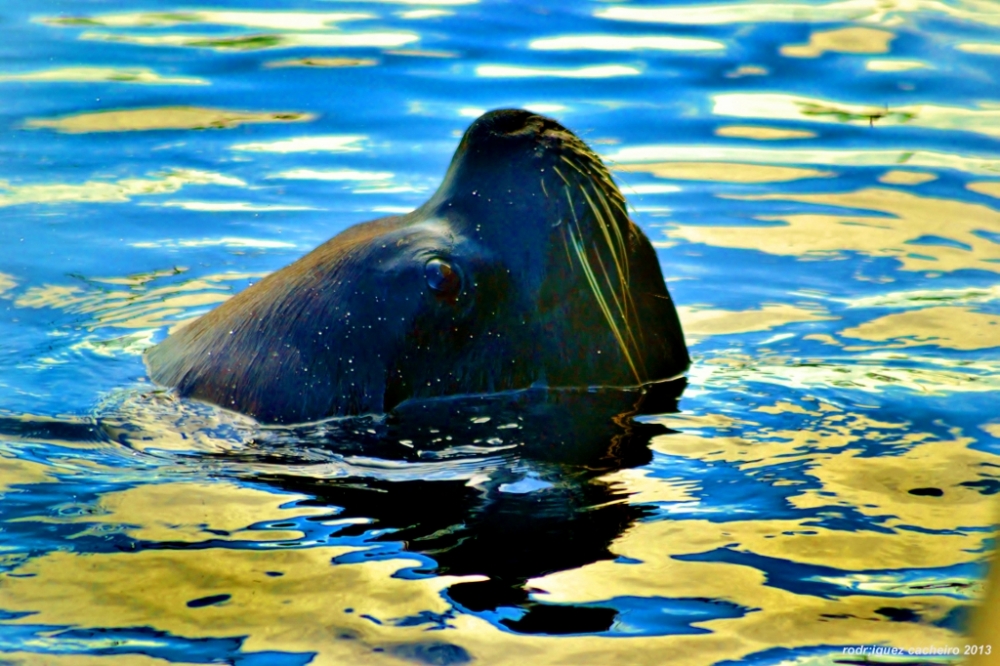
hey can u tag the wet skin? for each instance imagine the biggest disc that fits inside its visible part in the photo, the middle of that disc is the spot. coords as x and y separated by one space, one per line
522 269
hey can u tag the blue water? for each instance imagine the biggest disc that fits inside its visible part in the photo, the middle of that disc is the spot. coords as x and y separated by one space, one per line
822 183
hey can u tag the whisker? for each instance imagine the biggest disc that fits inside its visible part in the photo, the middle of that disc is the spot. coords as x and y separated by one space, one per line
616 255
618 304
603 224
569 258
623 268
602 303
621 256
575 166
618 232
606 190
560 174
604 216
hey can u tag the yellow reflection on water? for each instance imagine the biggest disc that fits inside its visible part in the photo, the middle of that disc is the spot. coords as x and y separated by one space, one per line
725 172
908 218
163 118
878 486
698 323
110 74
227 241
423 53
591 72
642 488
301 610
119 191
821 157
990 188
762 133
32 659
950 327
286 40
286 612
889 12
894 65
715 14
985 119
7 282
232 206
186 511
842 40
274 20
319 61
136 308
899 177
346 143
624 43
881 486
919 298
986 49
747 70
875 373
15 471
332 174
419 14
433 3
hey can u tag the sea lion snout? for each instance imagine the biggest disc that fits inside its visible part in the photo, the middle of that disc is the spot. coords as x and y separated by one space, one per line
512 141
510 124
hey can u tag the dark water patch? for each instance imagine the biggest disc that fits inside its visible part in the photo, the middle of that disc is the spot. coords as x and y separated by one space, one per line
958 619
984 486
621 559
432 653
618 616
435 621
830 583
939 241
724 492
991 236
836 654
33 524
898 614
212 600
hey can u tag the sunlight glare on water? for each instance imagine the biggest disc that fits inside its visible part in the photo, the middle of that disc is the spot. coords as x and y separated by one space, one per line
821 181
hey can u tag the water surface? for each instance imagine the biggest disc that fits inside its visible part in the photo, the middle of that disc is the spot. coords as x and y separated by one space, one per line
821 181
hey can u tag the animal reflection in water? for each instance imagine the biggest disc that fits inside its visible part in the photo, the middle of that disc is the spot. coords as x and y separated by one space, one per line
523 269
539 507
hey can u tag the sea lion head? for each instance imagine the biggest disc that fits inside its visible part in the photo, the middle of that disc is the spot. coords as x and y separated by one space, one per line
522 269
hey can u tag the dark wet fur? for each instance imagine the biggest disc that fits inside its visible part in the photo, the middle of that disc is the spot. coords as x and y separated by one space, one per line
561 288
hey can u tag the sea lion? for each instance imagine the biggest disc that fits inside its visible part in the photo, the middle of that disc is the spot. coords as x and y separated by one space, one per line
523 269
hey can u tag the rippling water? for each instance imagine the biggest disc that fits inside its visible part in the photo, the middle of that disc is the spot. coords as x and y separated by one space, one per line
821 180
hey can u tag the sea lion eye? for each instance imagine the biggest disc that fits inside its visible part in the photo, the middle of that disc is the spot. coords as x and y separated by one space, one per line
442 277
